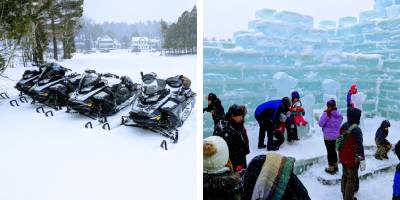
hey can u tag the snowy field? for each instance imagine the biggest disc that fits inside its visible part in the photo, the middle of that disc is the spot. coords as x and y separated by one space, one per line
57 158
376 187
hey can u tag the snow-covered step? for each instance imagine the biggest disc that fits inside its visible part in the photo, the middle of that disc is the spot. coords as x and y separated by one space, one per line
374 167
302 165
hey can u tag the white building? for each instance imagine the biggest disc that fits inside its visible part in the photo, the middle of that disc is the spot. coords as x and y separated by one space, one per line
106 43
155 44
141 43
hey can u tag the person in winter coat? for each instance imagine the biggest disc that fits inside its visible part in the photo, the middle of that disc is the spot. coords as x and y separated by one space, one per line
351 153
215 108
353 90
297 110
330 122
383 145
396 181
220 182
272 117
232 130
271 177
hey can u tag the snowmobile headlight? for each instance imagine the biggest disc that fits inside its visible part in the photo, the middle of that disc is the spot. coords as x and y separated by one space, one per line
158 117
45 94
89 105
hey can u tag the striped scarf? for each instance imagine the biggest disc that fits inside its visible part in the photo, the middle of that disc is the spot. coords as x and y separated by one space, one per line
274 177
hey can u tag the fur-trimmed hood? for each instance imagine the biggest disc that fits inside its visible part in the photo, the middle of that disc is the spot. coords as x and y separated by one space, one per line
221 186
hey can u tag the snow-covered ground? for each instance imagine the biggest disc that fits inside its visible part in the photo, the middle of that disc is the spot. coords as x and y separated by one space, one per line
57 158
378 186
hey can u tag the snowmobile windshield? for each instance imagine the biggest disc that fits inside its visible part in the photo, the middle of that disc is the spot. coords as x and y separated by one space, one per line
88 81
51 71
150 89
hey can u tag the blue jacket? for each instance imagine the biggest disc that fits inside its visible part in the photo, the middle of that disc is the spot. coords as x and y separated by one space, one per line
396 183
273 104
348 99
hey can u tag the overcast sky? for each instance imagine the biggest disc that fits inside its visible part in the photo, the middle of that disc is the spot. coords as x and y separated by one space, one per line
224 17
132 11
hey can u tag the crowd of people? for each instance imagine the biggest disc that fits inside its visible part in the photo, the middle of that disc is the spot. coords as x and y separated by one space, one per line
225 163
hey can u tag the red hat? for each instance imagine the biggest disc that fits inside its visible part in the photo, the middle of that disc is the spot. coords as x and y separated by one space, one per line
353 89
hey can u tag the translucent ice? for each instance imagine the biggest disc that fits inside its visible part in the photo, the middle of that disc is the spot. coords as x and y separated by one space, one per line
283 83
382 4
347 21
265 13
371 15
280 52
358 101
308 104
330 86
327 24
393 11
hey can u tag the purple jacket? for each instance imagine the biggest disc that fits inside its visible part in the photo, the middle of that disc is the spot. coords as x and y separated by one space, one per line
331 125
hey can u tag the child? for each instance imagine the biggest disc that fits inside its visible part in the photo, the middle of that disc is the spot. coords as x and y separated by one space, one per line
396 182
297 110
330 122
215 108
382 143
353 90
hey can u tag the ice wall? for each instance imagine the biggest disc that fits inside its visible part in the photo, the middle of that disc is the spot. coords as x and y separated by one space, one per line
363 51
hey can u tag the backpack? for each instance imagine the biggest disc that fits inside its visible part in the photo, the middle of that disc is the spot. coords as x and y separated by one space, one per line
341 140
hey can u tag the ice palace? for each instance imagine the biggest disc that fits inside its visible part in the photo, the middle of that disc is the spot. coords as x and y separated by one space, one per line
283 51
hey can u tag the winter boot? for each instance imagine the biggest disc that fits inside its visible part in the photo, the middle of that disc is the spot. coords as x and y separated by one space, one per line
261 146
273 148
336 167
378 157
330 170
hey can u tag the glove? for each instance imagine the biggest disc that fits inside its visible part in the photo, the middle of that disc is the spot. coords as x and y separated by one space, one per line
282 118
362 165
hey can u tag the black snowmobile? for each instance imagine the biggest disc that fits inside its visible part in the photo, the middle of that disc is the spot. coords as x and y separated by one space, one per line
161 109
101 95
30 77
51 86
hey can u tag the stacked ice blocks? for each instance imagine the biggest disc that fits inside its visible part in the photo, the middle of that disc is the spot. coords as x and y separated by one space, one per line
365 52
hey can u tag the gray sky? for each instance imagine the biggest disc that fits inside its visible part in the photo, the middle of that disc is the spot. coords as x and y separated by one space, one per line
224 17
135 10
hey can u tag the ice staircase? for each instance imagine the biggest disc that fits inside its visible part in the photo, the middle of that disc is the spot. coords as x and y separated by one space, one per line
315 167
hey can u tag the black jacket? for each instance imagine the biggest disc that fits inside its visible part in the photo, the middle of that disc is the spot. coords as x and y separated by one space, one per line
217 111
236 138
381 135
221 186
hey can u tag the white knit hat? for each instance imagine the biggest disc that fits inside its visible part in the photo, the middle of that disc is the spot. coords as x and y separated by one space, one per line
215 154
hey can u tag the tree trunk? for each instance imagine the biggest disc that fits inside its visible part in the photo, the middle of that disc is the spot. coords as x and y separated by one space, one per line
53 30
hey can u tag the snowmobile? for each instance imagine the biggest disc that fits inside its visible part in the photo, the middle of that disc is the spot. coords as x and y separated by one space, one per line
33 80
161 109
30 77
100 95
48 90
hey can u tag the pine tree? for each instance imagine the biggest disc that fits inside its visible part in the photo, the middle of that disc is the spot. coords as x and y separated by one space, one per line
181 37
70 19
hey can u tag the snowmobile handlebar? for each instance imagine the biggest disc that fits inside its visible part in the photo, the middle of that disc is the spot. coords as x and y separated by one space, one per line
109 75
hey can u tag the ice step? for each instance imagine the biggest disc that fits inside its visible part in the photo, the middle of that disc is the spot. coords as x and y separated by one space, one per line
303 165
374 167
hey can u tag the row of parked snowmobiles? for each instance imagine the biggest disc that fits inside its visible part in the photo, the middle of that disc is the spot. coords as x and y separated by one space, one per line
160 105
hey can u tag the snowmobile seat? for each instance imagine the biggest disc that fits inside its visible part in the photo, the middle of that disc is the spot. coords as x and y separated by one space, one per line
174 82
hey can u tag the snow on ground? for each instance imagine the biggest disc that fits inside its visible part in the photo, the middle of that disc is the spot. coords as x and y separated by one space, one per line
376 187
314 146
57 158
